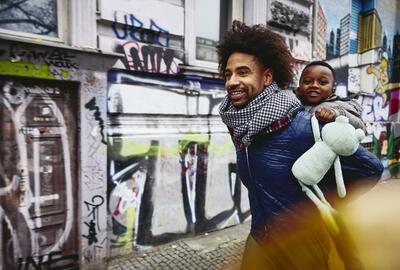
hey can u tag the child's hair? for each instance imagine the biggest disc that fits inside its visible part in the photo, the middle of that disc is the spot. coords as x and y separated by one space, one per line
320 63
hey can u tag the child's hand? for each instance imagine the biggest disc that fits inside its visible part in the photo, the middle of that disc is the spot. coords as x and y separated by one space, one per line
325 115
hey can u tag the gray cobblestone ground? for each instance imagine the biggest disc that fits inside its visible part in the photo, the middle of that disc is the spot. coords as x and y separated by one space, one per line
218 250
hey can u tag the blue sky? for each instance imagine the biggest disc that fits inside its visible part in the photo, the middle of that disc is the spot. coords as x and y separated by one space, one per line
334 11
387 13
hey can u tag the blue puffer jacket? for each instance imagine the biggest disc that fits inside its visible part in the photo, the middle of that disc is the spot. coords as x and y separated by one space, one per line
274 193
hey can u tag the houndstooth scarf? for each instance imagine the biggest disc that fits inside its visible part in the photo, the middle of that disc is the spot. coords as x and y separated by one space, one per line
271 110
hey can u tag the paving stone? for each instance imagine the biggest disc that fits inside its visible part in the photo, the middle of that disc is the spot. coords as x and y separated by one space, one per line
218 250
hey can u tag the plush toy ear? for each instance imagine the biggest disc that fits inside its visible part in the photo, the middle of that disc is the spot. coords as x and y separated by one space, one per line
360 134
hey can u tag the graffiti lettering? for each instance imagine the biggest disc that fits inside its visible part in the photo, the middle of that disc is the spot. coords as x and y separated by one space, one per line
93 207
55 261
92 233
134 29
374 108
149 58
92 106
56 57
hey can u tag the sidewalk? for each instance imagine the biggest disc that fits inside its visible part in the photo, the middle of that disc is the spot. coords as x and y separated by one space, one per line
372 219
216 250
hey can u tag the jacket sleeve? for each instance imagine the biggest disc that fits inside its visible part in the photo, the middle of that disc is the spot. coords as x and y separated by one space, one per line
361 172
352 110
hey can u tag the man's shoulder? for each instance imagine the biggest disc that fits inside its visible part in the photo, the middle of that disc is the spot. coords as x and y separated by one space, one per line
298 129
284 94
301 122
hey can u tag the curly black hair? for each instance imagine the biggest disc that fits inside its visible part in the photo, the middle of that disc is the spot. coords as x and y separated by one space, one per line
268 48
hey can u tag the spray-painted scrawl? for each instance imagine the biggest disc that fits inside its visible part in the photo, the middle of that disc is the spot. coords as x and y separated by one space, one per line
37 176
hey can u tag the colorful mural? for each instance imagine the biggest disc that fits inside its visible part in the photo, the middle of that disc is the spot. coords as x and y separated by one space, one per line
368 61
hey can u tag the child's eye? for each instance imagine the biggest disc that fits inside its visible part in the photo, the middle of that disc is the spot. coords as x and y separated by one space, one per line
307 81
323 82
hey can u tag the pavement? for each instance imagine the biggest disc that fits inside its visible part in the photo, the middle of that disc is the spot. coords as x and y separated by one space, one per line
372 219
221 249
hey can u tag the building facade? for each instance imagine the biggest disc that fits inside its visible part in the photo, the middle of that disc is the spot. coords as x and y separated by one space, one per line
111 139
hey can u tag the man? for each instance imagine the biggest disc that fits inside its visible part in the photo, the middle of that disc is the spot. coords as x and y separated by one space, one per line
270 131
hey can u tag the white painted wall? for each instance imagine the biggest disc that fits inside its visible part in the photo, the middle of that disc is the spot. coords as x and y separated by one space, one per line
167 16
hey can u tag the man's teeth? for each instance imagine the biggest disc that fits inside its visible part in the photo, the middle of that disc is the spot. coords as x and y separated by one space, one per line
235 93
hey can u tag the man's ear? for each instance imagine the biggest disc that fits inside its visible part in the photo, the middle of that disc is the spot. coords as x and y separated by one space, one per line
268 77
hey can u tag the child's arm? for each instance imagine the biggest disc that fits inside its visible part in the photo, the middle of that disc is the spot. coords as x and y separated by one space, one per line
352 110
328 111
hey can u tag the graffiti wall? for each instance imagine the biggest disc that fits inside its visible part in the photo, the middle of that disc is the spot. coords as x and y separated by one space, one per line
362 43
171 167
52 186
149 36
38 175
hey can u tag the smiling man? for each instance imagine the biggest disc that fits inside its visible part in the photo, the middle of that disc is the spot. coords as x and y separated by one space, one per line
270 130
256 64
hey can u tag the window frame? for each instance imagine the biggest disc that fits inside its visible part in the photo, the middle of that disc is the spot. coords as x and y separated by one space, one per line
235 12
62 7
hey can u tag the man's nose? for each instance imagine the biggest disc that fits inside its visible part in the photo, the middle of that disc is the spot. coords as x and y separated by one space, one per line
231 82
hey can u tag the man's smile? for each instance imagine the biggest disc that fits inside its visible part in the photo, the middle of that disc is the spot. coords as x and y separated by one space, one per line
236 94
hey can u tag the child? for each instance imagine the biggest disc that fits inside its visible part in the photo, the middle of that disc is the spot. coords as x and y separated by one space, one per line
317 93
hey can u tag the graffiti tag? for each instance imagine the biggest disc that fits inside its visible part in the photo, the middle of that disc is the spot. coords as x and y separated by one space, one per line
134 29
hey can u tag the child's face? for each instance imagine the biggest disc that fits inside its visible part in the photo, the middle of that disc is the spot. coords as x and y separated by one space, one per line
316 85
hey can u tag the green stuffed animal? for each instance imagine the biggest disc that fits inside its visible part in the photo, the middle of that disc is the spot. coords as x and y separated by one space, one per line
339 138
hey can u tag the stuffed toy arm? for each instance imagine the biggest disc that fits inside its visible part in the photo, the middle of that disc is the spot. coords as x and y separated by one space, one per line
341 189
315 129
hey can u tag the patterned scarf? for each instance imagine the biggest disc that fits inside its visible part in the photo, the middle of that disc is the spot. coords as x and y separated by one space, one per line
271 110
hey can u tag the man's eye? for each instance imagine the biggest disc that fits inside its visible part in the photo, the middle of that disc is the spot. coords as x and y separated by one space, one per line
227 75
242 72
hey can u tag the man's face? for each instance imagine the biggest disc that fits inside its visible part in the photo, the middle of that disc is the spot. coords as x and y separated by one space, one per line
316 85
245 78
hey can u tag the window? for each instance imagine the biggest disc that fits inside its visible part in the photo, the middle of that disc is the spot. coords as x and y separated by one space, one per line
32 18
210 23
369 31
205 23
